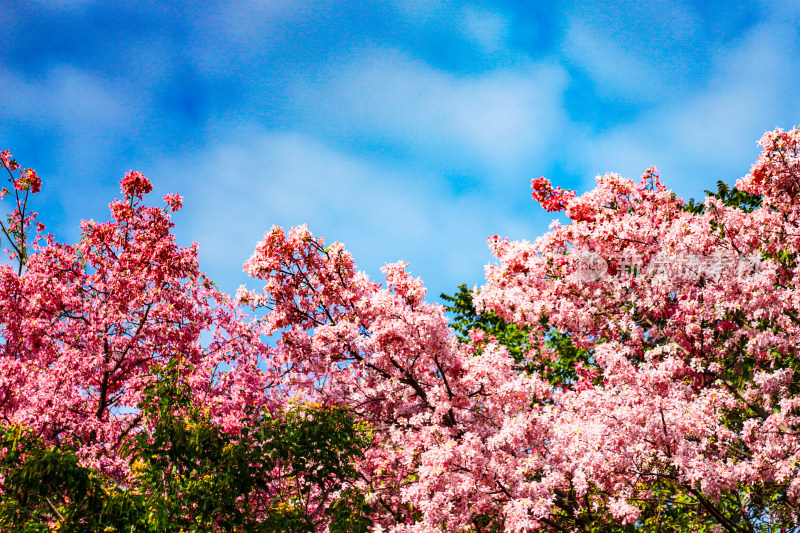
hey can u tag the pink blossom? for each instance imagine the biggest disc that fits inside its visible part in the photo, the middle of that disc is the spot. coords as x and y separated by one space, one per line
551 199
134 184
678 381
173 201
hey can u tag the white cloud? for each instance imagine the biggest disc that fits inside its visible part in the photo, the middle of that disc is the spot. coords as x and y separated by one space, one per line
636 52
498 121
86 119
238 189
615 71
489 29
65 97
421 10
711 134
231 35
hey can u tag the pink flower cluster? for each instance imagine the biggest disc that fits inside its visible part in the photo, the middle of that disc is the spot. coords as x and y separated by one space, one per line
134 184
551 199
688 399
8 161
84 326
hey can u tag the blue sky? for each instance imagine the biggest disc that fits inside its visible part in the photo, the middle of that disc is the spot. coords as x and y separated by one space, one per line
407 130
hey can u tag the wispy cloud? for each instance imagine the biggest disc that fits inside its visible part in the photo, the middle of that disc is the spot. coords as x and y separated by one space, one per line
65 97
86 121
489 29
238 189
409 130
497 122
711 134
615 71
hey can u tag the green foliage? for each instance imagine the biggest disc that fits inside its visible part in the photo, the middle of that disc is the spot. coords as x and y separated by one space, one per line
523 347
466 318
278 474
44 485
730 196
666 511
350 513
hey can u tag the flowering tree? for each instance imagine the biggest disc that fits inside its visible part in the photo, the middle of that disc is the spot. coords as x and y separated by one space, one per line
681 321
691 395
635 369
390 357
83 326
128 381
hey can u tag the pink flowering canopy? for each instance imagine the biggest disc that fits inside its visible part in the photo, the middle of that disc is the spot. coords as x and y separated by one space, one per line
679 324
689 319
84 326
